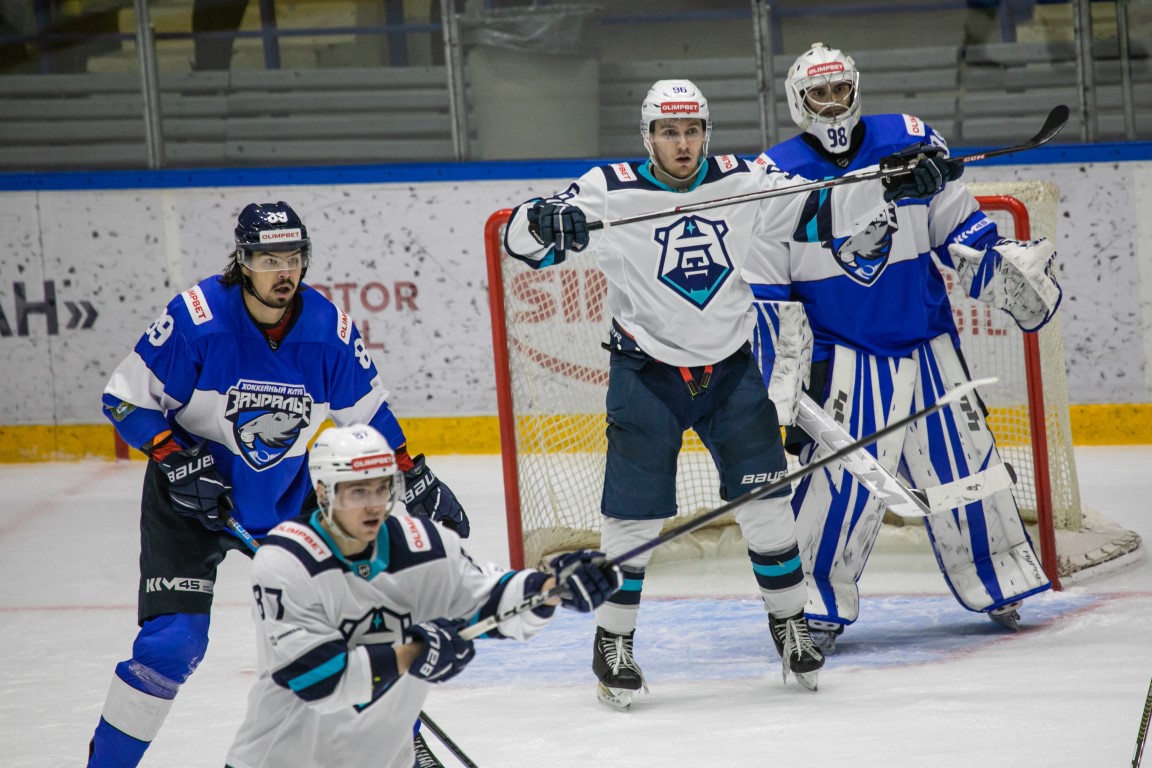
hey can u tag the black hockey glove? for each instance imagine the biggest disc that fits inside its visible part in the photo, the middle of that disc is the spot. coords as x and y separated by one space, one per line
195 487
426 496
444 653
587 579
932 170
565 227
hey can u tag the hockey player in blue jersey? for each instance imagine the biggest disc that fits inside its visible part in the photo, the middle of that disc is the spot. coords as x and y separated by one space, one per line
883 344
223 392
359 612
680 357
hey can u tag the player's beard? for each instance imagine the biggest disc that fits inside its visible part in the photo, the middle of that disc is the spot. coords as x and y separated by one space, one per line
275 299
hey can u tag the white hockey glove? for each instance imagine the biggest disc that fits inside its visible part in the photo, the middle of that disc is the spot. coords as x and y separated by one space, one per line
783 343
1014 276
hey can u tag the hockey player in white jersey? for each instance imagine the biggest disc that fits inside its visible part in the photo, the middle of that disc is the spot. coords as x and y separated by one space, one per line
223 393
680 357
885 344
359 611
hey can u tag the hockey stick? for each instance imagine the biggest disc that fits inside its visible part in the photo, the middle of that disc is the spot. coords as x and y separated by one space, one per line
234 524
1056 120
894 494
1142 733
452 747
242 532
760 491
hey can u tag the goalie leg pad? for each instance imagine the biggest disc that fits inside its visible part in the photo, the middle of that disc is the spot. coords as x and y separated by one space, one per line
618 613
837 519
982 548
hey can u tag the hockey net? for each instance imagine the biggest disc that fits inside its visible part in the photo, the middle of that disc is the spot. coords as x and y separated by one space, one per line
552 373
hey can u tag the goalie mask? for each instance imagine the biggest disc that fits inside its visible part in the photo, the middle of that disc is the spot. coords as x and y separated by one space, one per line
342 454
673 99
269 228
823 90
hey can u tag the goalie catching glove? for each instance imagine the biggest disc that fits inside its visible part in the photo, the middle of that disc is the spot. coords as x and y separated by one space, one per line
563 226
1014 276
919 171
586 578
426 496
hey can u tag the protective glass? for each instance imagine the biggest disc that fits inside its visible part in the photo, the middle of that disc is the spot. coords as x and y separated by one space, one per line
265 261
675 131
358 496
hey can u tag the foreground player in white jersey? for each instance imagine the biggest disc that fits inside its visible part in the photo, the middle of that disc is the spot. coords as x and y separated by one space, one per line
885 345
359 611
680 356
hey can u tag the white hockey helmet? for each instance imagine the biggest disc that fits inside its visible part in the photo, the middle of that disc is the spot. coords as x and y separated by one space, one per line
341 454
820 65
674 99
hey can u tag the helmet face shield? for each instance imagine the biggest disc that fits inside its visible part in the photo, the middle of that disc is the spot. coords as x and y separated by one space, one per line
272 261
364 494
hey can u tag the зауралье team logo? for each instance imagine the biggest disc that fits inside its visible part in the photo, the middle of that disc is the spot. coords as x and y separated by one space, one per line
865 254
694 262
266 419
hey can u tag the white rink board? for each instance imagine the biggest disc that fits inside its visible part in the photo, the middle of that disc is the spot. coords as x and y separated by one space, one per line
407 262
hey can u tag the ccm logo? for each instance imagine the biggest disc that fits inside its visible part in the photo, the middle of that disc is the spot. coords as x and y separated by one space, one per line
760 478
204 462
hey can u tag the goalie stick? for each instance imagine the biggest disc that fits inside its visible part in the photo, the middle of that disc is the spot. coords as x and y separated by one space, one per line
1055 121
242 532
895 495
480 627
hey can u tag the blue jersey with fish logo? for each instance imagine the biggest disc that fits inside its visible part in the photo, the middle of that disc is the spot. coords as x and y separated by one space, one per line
879 290
205 370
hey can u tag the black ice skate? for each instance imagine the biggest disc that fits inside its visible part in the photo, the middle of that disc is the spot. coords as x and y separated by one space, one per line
619 674
424 756
824 635
799 654
1007 615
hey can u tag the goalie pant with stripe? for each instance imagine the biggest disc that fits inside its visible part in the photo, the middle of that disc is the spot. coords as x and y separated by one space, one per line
982 549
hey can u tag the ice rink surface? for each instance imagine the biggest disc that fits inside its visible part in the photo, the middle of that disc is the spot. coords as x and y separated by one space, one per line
917 681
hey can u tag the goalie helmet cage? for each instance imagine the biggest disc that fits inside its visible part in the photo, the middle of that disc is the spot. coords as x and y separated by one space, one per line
551 375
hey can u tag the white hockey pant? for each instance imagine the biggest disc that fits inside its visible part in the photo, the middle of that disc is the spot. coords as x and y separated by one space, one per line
768 529
982 549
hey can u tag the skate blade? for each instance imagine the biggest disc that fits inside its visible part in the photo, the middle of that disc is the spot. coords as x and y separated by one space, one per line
808 680
619 699
1010 620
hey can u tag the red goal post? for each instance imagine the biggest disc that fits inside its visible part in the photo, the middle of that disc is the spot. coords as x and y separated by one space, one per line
551 375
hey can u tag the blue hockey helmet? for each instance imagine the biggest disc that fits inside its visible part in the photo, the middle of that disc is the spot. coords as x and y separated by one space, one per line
271 227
